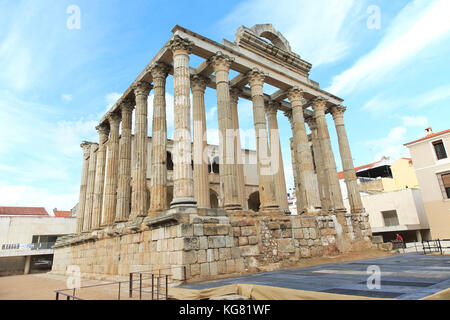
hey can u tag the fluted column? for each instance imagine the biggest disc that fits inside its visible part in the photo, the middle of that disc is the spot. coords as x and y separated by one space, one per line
183 183
288 114
90 188
139 167
354 196
112 168
238 159
201 180
308 195
83 185
322 180
265 174
319 106
277 157
228 171
158 187
103 132
124 183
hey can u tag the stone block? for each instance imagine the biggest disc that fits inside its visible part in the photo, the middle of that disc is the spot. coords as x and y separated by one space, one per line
273 225
221 267
201 256
195 270
191 243
252 240
216 242
224 253
210 229
312 233
203 242
298 233
286 245
204 269
223 229
190 257
236 231
231 266
198 229
213 268
306 233
247 251
235 253
248 231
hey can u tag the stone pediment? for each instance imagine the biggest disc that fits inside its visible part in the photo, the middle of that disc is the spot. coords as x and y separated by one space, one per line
266 41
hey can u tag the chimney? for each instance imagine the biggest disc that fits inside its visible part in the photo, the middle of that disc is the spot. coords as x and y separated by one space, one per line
429 130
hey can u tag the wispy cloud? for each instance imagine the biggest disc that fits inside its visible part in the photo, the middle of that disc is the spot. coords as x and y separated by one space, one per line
418 25
320 31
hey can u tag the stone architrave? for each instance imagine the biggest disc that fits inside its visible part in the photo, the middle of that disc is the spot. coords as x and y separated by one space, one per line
103 131
319 106
201 179
183 183
308 195
124 183
112 168
238 156
265 174
228 170
158 187
90 188
139 167
277 157
354 196
83 185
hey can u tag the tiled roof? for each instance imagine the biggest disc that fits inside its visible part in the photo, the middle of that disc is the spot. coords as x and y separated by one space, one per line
59 213
366 166
431 135
26 211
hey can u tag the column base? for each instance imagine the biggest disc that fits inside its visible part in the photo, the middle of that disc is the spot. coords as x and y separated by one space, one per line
183 202
233 206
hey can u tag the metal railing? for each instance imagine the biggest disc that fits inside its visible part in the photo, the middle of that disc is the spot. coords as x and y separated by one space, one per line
435 246
154 284
28 246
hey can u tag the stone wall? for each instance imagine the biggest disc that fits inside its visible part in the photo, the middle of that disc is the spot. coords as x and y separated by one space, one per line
201 244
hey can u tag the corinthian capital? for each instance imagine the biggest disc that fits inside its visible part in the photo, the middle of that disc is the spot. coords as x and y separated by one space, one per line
337 111
221 62
311 121
159 70
127 105
234 94
178 43
295 94
86 148
271 108
256 77
114 119
142 88
319 104
198 83
103 132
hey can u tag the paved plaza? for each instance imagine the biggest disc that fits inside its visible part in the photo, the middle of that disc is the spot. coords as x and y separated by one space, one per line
406 276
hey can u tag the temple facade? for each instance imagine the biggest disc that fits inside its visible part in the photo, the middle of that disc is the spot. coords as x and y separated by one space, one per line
200 210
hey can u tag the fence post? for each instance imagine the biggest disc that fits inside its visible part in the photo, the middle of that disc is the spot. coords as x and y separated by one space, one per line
140 286
57 295
153 281
167 286
118 298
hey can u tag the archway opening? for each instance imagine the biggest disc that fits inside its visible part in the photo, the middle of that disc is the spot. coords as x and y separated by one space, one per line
254 202
213 199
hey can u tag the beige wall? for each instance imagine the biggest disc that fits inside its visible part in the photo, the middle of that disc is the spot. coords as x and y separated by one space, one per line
407 203
427 168
18 229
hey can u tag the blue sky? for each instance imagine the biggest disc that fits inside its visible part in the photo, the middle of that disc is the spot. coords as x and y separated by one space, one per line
56 82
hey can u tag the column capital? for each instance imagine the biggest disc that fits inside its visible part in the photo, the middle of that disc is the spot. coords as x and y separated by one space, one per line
256 77
198 83
103 132
337 111
127 105
295 94
142 88
159 70
311 123
319 104
220 61
86 148
234 94
178 43
93 148
271 108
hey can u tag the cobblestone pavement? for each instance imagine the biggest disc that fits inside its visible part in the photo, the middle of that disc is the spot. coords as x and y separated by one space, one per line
404 276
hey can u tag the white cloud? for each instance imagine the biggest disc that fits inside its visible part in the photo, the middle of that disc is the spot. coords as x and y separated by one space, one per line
390 146
415 27
415 121
320 31
66 97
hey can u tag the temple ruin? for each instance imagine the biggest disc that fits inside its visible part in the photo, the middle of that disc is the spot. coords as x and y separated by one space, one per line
201 210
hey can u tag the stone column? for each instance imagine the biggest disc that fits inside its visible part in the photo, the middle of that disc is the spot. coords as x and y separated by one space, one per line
201 179
288 114
238 157
90 188
83 185
319 106
124 184
277 157
354 196
308 195
139 167
112 170
228 171
158 187
183 184
103 131
322 180
265 174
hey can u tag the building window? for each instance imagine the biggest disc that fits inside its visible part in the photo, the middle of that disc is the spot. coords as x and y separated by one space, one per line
444 183
440 150
390 218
